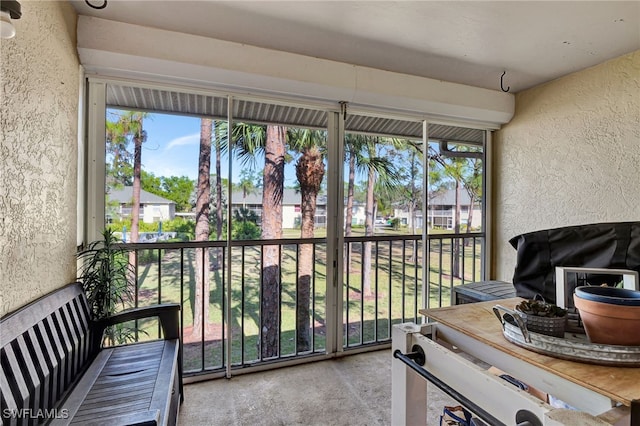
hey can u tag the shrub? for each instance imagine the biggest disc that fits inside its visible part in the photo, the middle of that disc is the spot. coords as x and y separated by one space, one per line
245 231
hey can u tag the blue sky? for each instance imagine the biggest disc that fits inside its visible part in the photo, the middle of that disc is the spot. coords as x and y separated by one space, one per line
172 145
172 149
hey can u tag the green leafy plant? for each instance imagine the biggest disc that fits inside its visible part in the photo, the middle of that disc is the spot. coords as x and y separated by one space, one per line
541 308
107 279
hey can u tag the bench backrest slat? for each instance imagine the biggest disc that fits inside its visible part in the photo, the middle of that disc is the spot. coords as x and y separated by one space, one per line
44 348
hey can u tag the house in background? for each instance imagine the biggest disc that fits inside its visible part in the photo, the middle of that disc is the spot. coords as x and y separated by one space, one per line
291 213
153 208
358 213
404 215
441 210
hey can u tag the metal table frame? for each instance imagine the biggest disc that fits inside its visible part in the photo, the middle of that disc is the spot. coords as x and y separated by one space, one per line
503 402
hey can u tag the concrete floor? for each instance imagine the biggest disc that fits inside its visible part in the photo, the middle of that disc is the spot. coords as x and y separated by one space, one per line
354 390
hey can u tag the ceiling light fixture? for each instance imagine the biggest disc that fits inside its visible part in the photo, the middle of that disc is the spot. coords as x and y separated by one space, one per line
9 9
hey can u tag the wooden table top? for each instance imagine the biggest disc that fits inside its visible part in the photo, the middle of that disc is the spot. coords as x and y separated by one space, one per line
478 321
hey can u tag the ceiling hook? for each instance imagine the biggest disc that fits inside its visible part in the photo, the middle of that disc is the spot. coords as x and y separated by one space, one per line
502 85
102 6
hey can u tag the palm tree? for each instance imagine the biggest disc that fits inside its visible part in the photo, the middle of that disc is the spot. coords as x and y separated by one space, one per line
353 148
203 195
408 154
437 183
456 167
130 128
363 157
247 184
130 124
119 170
369 219
139 136
249 140
310 170
473 184
219 147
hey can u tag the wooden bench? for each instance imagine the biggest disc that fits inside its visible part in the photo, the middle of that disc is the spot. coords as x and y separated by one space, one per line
55 370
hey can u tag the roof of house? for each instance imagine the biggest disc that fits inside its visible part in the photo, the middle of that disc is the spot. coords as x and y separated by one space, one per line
290 196
448 198
125 195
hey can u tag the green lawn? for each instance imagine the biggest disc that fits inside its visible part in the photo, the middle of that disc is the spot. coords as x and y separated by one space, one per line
396 294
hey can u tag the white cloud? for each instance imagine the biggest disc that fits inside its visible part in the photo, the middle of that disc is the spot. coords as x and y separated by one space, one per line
192 139
170 166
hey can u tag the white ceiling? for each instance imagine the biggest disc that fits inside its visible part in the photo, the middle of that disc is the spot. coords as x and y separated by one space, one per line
469 42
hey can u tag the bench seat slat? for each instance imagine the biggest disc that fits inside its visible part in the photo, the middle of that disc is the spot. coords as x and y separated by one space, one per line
106 416
115 384
108 410
108 395
141 418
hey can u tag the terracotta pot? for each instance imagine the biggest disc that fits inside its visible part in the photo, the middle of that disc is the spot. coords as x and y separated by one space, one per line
609 323
617 296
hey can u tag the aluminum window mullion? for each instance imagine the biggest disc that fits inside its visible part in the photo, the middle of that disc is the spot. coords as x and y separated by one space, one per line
335 234
96 160
426 247
229 270
487 211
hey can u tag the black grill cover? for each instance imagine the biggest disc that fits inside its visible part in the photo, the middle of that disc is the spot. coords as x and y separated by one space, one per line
600 245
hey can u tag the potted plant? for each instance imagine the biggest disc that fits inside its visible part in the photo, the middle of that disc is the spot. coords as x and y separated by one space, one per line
542 317
107 279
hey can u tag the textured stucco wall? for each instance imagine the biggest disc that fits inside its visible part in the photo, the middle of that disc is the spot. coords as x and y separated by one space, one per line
570 156
38 153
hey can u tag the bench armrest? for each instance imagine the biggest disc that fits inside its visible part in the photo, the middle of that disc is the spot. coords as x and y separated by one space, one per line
168 314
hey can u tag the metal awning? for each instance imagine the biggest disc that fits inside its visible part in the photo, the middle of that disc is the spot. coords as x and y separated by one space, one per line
158 100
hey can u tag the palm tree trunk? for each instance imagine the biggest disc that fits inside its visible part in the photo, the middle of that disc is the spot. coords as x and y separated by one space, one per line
368 231
455 252
218 186
273 186
412 206
349 209
412 202
472 201
201 302
310 171
137 166
350 189
135 206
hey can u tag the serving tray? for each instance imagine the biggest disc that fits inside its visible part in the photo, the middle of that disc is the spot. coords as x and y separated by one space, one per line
572 347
